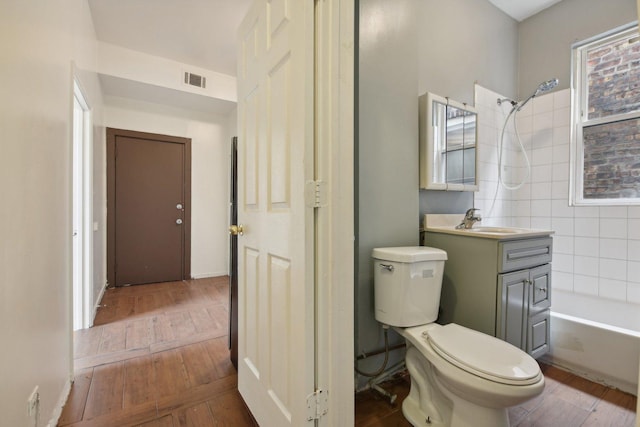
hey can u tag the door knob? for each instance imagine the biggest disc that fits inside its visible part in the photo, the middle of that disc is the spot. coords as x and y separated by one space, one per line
236 230
178 221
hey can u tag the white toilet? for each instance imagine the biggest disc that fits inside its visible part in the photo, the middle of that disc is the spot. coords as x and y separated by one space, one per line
459 377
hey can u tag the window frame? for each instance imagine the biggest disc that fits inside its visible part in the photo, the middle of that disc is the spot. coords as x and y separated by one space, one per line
579 105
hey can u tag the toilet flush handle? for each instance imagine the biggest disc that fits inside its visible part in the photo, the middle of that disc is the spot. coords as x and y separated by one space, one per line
387 267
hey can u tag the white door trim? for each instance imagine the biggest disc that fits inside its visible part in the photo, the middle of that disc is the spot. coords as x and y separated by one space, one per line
82 160
335 41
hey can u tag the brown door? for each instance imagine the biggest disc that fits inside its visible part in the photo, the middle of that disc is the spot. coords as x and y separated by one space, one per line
148 200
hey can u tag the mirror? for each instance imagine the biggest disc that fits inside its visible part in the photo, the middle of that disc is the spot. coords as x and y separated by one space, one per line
447 144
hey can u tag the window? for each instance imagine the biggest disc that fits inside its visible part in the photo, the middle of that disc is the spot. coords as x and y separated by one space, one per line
606 119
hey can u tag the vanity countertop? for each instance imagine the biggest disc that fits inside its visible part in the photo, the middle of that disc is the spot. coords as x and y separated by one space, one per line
447 224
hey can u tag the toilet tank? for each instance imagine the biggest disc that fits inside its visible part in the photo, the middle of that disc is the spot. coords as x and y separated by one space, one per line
407 284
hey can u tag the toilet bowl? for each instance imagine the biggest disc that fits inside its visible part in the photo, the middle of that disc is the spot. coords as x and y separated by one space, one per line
459 377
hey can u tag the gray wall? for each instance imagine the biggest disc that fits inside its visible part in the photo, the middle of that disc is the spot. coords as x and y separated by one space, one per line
546 38
463 42
387 150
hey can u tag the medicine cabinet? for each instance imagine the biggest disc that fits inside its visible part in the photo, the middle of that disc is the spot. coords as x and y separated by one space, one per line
448 153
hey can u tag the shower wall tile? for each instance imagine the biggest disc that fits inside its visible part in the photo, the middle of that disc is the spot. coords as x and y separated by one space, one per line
633 228
613 212
633 271
613 269
522 222
613 228
633 250
560 208
587 266
542 155
562 245
541 222
561 99
563 263
633 293
560 189
587 285
524 122
562 226
561 173
587 212
561 117
613 248
562 135
596 249
561 153
522 207
587 227
562 281
613 289
541 191
587 246
543 122
633 211
541 173
542 104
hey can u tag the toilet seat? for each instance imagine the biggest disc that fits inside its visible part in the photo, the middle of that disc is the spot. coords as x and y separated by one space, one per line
483 355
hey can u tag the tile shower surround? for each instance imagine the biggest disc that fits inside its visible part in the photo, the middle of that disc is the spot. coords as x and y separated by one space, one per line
596 253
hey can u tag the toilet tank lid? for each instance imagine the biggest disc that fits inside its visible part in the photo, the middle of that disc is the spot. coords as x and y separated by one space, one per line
409 254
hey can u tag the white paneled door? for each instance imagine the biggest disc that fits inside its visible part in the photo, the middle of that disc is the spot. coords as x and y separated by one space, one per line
276 347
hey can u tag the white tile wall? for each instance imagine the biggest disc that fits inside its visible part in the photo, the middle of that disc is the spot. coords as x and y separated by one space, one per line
596 249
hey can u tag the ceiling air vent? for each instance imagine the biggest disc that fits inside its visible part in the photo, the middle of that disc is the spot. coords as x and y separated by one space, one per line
195 80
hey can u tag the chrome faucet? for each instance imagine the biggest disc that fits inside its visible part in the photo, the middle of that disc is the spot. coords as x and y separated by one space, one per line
469 219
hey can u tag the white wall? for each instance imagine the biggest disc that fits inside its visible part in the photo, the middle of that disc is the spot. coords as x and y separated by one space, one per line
210 143
39 40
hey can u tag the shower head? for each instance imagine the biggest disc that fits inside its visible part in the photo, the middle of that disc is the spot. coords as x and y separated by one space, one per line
542 87
546 86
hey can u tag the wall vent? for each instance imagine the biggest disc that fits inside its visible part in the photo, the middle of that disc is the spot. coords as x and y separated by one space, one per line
195 80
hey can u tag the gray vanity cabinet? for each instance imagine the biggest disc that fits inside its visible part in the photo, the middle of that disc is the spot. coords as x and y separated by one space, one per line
523 309
501 287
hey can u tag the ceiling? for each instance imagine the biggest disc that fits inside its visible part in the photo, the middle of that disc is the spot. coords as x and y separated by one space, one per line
522 9
200 33
195 32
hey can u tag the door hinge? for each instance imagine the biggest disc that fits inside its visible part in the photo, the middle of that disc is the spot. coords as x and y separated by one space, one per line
316 194
317 404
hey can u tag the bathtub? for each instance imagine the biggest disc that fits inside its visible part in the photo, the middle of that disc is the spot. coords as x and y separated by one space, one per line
602 353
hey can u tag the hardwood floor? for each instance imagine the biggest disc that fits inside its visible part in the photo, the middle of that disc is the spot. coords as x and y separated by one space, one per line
567 401
157 356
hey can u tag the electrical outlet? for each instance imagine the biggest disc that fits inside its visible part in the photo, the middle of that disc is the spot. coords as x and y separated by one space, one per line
33 402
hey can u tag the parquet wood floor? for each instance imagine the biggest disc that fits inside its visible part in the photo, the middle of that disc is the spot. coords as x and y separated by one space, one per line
567 401
157 356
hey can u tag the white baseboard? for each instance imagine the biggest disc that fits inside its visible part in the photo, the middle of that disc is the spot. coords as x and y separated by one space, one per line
62 400
97 304
207 275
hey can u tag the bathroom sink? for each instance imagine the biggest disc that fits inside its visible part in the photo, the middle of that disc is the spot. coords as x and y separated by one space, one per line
501 233
497 230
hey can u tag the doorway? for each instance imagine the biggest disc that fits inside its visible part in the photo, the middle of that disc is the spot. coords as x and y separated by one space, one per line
82 184
233 256
148 207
